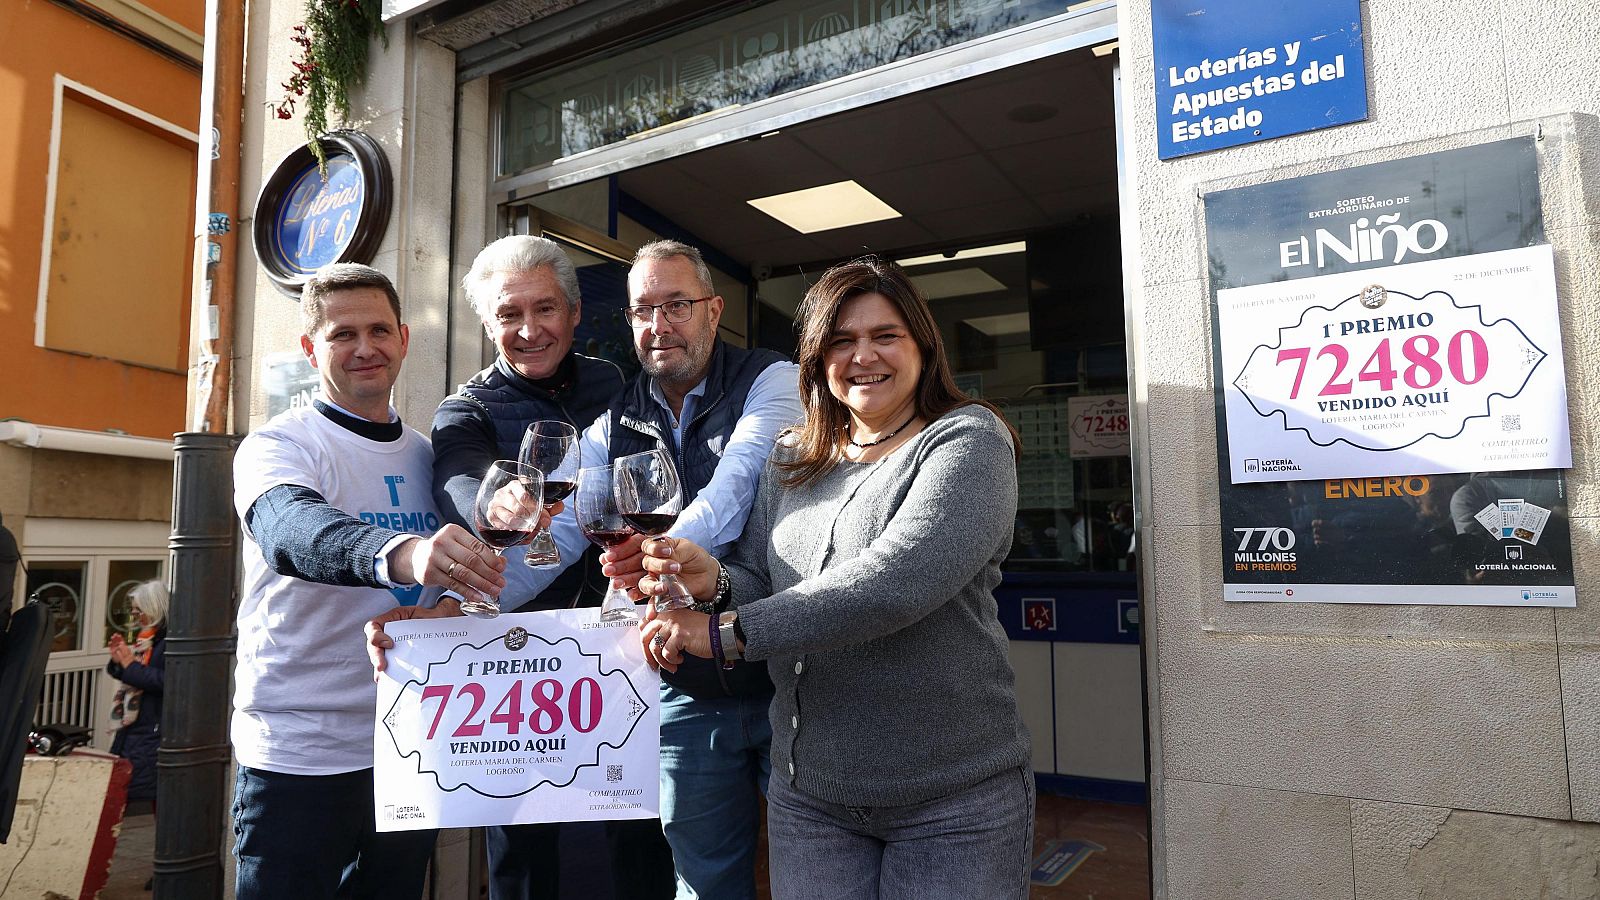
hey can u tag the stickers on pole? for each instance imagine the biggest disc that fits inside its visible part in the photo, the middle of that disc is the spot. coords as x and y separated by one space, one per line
528 717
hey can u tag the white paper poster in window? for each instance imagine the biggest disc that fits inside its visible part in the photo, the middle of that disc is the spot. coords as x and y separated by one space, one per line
1443 365
1097 426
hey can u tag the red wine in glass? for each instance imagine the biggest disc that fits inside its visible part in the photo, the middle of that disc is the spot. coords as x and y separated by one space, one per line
605 534
595 505
505 514
558 490
551 446
650 497
651 523
504 538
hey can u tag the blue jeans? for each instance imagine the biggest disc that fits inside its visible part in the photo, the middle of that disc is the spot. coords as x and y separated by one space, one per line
312 837
975 844
715 761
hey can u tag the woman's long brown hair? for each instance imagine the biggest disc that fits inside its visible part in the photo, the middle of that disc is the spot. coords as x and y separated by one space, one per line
823 436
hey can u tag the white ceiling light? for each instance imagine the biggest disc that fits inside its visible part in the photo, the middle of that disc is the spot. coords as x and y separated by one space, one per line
969 253
826 207
958 283
1003 324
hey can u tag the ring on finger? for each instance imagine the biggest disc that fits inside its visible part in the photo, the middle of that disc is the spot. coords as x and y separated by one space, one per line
661 640
450 573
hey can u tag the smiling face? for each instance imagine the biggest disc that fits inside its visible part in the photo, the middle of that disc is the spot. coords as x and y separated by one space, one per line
357 350
674 353
529 320
871 362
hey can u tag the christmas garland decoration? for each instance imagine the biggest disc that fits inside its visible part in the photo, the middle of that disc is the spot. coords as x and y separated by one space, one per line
333 44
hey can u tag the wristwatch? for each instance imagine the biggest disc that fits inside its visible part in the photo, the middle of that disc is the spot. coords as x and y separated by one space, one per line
728 634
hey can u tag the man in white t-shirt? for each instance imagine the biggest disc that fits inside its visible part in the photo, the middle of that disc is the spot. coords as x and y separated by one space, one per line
339 524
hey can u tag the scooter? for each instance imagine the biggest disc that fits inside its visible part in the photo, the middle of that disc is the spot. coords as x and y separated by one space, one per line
58 739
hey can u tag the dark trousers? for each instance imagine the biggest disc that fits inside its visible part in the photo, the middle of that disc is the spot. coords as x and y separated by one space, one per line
525 861
312 837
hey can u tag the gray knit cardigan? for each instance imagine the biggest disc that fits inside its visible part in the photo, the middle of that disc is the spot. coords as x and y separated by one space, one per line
871 593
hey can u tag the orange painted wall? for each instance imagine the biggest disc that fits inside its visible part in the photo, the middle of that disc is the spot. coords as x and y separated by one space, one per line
51 387
188 13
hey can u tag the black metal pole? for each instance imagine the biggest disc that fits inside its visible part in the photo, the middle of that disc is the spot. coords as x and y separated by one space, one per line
192 764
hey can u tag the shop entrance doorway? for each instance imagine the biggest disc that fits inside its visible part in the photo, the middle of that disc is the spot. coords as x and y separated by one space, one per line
999 194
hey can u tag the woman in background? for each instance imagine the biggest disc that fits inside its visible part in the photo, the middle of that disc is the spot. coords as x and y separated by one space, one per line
136 708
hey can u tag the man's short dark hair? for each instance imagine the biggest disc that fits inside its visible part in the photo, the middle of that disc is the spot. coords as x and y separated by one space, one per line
667 249
331 279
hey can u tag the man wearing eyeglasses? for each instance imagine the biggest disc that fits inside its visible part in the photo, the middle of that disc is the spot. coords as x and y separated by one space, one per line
718 409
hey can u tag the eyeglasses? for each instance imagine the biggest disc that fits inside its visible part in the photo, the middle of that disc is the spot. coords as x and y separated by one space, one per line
675 310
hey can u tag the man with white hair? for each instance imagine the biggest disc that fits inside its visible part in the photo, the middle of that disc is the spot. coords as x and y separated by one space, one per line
525 292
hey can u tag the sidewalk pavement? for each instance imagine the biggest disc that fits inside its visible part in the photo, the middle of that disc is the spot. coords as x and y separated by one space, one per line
130 864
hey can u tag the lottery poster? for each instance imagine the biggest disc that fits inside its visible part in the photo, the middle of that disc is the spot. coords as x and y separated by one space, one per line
528 717
1097 426
1389 385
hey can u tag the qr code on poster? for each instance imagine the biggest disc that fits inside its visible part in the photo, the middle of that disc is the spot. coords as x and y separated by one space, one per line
613 773
1510 423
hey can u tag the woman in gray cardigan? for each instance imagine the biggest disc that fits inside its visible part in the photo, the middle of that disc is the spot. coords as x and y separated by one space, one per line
865 577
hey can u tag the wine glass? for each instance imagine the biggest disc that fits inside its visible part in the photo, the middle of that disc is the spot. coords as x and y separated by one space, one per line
650 498
551 446
595 506
505 514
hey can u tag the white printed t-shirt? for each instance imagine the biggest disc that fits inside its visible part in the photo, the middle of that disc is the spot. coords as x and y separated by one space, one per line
304 698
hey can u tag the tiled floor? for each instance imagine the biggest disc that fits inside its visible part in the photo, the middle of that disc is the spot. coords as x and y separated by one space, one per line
1119 872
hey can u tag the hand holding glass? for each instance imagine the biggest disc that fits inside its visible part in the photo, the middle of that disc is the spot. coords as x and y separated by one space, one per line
510 502
550 446
595 506
650 498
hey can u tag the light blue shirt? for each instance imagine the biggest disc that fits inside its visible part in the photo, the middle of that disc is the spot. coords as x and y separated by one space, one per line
717 516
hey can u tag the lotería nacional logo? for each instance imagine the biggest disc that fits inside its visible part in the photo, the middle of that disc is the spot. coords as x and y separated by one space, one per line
1257 466
516 638
1374 296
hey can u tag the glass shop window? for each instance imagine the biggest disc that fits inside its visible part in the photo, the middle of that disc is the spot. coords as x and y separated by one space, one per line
763 51
122 576
1034 326
63 587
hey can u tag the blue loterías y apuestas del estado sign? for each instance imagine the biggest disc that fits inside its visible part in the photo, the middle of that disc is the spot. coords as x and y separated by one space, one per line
1231 72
